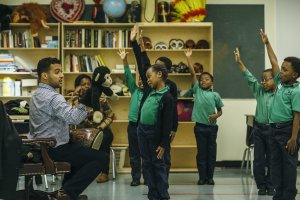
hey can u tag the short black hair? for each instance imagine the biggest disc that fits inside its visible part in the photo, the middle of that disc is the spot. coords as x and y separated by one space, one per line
207 73
44 65
295 62
166 61
162 69
80 77
268 70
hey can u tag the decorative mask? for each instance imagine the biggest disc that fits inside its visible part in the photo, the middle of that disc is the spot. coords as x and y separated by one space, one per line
176 44
198 67
147 42
190 44
202 44
161 46
181 68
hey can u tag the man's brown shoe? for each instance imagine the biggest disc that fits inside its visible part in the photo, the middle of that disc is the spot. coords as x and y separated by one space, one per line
102 178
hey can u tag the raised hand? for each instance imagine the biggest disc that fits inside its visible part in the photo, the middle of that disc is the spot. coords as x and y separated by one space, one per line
264 37
133 33
123 54
237 55
142 44
188 53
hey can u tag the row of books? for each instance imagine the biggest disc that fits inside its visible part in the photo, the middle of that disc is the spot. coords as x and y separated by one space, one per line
97 38
82 63
88 63
23 87
9 39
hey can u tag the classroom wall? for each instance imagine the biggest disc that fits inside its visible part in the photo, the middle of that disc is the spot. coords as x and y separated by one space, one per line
232 126
288 29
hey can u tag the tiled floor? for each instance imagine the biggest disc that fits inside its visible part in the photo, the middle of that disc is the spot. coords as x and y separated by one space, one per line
231 184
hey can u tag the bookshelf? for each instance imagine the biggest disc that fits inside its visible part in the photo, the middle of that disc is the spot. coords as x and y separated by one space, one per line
25 52
184 144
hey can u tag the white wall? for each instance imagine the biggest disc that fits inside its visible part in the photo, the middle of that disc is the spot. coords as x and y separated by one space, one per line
232 125
288 29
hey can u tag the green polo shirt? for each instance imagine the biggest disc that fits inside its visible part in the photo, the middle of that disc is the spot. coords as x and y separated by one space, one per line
206 102
150 106
263 98
286 100
136 95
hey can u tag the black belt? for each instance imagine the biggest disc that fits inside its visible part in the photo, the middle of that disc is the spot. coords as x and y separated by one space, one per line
205 125
281 125
133 123
261 125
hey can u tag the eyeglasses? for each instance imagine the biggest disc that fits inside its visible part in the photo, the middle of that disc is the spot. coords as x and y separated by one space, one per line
266 79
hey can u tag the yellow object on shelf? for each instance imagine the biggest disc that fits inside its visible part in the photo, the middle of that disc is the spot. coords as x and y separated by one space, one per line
8 86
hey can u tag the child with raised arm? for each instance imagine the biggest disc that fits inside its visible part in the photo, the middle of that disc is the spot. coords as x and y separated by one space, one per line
263 92
155 123
206 103
143 59
135 101
284 119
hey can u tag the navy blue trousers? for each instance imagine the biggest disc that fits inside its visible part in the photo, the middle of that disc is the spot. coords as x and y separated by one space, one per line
206 137
262 156
134 152
154 168
283 164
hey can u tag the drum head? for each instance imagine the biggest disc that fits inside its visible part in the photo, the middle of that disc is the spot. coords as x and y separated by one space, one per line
98 141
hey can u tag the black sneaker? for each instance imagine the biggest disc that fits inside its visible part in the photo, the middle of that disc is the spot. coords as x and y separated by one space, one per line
262 192
270 192
201 182
210 181
135 183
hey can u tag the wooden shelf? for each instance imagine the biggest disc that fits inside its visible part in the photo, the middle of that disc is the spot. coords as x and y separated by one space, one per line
104 25
19 117
186 122
184 146
28 24
90 73
178 50
185 98
30 49
20 97
121 121
16 73
94 49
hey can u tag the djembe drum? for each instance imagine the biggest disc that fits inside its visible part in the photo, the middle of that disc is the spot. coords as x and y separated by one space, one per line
88 137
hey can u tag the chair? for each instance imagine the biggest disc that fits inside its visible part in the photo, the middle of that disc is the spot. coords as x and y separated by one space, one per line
113 163
47 166
117 154
21 123
249 151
